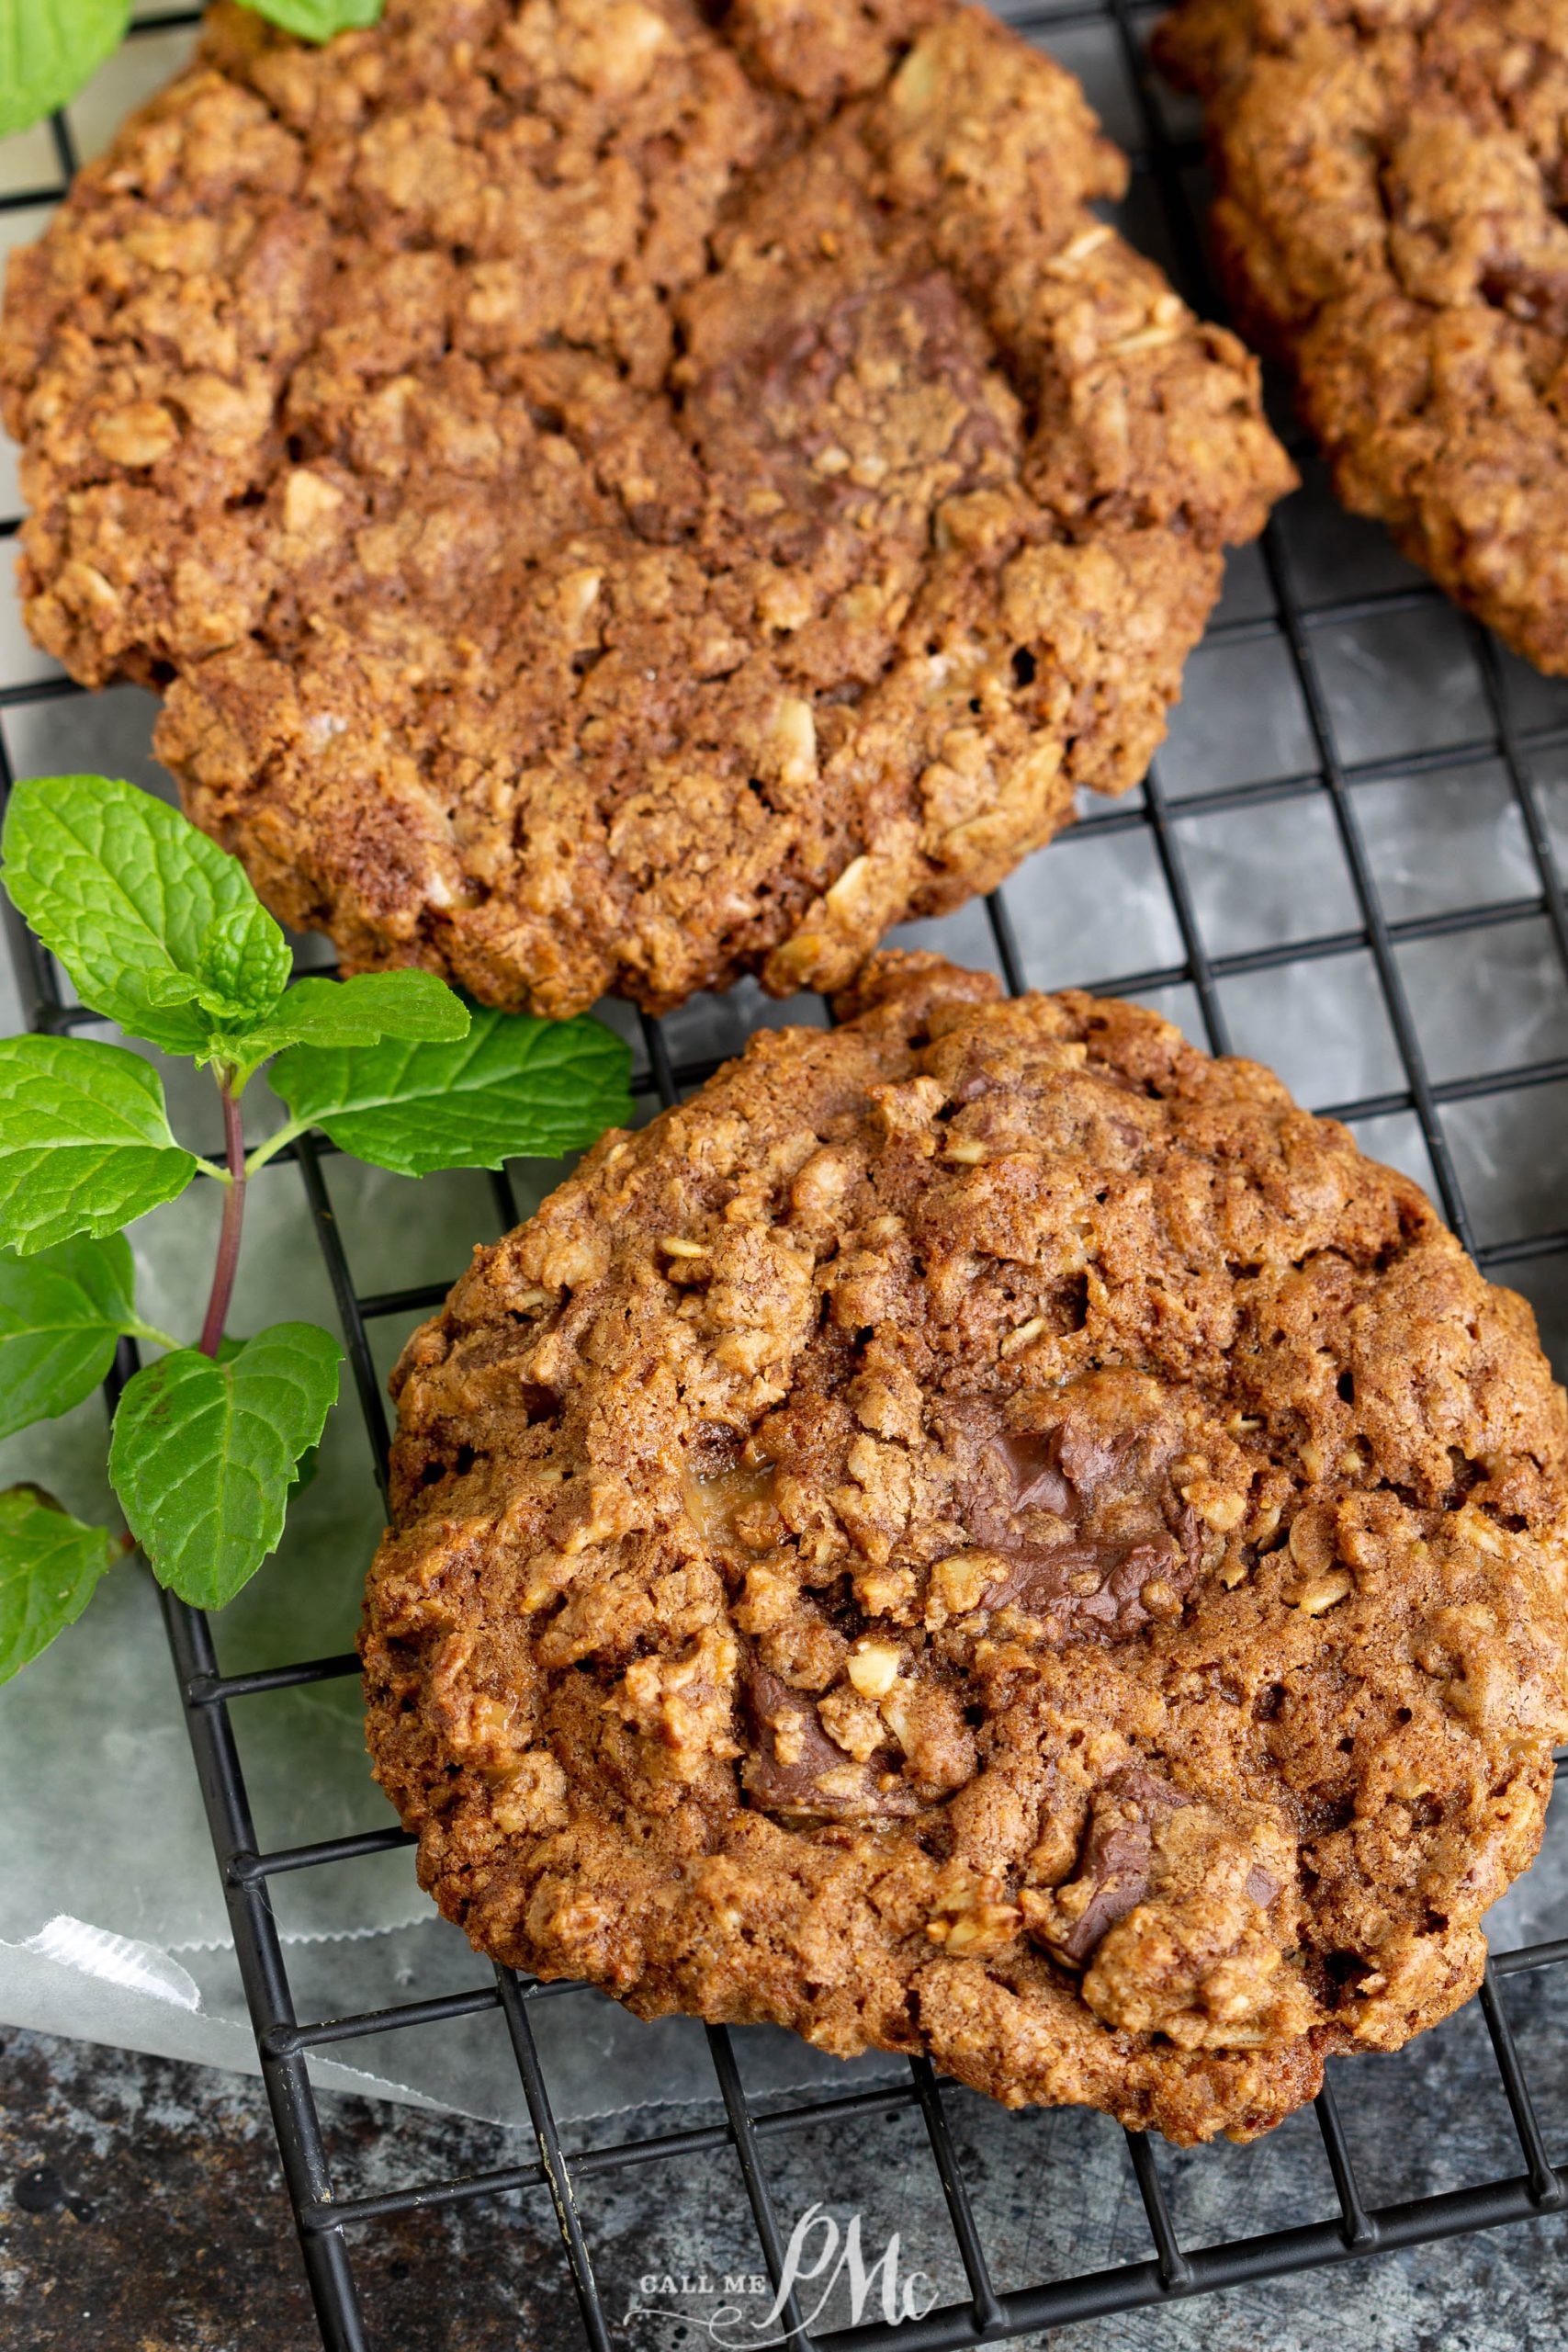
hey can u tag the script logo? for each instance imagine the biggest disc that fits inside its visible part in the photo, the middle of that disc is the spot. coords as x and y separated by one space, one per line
819 2257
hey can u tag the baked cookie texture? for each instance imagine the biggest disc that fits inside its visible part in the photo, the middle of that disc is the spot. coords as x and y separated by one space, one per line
984 1532
1391 181
618 499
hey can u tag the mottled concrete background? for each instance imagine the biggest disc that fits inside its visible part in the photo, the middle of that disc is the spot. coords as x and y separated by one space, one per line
142 2211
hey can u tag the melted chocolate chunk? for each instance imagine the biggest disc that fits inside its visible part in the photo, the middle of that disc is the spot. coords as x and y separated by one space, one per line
1031 1462
1053 1582
1116 1856
1027 1494
1115 1860
1532 291
813 1779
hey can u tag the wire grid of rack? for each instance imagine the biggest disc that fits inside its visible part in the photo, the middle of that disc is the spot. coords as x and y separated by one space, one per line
1293 624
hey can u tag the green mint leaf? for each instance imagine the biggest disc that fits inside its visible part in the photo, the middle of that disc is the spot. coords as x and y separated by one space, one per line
203 1455
84 1141
244 960
50 1565
60 1316
514 1087
411 1005
158 927
48 49
318 19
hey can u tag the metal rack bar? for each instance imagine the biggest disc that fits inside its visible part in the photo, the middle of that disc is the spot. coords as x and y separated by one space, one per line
986 2310
367 1386
1545 2190
246 1866
1175 2270
1515 1963
1319 718
1379 938
591 2163
1198 967
1522 783
515 2009
1359 2230
1102 2294
743 2137
282 2040
207 1690
259 1949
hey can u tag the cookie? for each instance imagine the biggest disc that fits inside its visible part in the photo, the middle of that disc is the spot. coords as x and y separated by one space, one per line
987 1533
1389 222
615 499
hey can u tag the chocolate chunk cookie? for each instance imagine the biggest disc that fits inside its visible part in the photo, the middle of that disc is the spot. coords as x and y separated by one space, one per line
621 494
987 1533
1390 220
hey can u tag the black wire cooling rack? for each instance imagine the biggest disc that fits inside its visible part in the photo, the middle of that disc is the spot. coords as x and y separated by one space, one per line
1165 168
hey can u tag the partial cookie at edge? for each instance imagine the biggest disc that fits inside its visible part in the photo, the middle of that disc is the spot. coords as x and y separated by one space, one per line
1388 222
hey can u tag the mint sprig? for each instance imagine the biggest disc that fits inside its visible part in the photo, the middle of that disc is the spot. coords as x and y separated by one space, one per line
62 1316
513 1085
318 20
84 1140
159 928
49 1567
204 1453
414 1005
162 932
49 48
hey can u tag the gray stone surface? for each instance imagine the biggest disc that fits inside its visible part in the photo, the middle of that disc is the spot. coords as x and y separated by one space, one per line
142 2211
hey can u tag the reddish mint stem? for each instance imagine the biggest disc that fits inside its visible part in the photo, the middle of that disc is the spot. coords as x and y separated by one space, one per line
233 1219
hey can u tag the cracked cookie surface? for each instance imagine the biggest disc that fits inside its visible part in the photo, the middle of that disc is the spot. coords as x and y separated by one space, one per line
984 1532
617 500
1391 179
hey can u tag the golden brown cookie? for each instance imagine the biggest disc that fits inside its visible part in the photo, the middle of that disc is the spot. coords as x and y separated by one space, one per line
618 499
984 1532
1392 175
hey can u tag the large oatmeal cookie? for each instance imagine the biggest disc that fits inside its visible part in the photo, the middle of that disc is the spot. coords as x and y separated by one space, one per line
1390 220
989 1532
617 500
